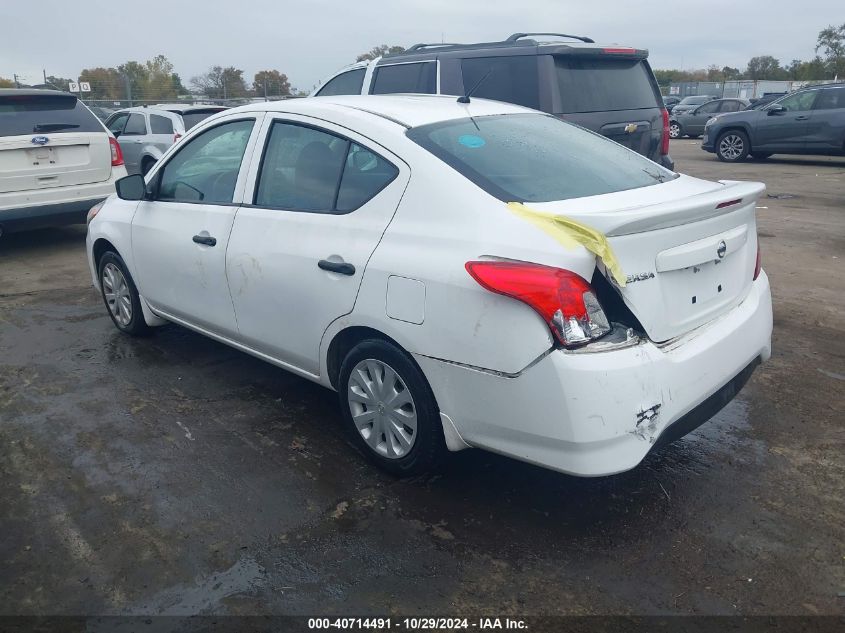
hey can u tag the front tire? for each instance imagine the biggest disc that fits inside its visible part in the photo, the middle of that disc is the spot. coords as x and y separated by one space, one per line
121 296
675 130
732 146
389 410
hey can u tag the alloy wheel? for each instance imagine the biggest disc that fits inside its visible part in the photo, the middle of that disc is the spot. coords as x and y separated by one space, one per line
731 146
382 408
116 293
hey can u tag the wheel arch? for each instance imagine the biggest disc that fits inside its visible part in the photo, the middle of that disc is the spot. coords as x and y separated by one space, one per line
741 127
345 340
101 246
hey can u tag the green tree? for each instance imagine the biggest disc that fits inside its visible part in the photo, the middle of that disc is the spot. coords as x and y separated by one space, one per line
59 83
106 83
6 83
831 42
158 79
271 83
764 67
379 51
138 78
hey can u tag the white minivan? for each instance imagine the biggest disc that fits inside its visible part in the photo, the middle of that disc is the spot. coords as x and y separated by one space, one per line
56 159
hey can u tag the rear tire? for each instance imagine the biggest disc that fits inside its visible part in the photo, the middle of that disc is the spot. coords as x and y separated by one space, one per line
389 410
121 296
675 130
732 146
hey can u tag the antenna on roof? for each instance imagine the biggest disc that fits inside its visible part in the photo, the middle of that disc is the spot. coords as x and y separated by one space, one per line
471 91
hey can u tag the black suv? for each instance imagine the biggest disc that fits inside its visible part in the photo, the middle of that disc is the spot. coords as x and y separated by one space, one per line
608 89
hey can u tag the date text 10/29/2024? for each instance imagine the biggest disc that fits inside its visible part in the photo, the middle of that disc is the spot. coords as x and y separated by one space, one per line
417 624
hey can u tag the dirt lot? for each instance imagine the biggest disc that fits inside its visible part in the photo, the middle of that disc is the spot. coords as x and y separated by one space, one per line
173 475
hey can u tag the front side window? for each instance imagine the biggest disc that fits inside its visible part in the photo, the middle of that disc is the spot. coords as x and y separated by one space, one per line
536 157
117 123
206 167
708 108
798 102
731 106
511 79
831 99
405 78
135 126
348 83
160 124
305 169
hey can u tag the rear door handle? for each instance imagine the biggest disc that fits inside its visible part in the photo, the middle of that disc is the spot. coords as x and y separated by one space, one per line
342 268
207 240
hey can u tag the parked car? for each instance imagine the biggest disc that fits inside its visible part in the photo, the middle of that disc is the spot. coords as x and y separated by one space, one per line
102 113
608 89
807 121
691 122
145 132
670 102
367 244
766 99
56 159
691 103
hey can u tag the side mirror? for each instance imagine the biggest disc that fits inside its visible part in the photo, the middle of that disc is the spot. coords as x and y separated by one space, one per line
776 109
131 187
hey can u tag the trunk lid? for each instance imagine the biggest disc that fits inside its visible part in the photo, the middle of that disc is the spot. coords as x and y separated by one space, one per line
688 248
65 159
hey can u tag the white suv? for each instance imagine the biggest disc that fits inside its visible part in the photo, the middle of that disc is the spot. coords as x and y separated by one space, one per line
57 159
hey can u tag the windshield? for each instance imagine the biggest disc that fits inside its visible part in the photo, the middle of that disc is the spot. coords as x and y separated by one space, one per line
695 100
536 157
34 114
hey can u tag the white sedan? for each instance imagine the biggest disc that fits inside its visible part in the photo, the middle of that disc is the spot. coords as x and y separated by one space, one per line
462 274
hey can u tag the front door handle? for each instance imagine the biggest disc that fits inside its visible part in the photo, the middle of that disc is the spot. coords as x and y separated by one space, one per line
802 117
342 268
207 240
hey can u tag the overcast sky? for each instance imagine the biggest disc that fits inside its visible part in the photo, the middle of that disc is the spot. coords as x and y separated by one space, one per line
310 39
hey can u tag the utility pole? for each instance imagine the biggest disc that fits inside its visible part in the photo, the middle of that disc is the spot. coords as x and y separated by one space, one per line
265 88
44 70
17 83
128 89
223 79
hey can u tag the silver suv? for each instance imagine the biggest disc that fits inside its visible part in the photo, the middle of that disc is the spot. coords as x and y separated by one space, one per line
145 132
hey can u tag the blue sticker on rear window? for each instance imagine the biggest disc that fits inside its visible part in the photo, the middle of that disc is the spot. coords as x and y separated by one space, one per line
471 140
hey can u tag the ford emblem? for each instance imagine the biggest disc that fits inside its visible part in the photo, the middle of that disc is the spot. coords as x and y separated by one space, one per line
40 140
721 249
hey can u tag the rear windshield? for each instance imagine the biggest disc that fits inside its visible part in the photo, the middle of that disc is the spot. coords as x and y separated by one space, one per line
589 84
536 157
36 114
195 116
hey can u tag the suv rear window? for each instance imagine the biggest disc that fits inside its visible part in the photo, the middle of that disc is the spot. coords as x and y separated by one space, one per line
589 84
37 114
536 157
512 79
398 78
195 116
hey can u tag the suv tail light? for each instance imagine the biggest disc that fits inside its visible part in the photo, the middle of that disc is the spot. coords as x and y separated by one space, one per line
758 265
176 137
116 153
565 300
664 140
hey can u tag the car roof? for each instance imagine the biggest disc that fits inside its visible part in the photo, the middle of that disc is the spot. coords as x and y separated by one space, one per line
408 110
187 107
31 92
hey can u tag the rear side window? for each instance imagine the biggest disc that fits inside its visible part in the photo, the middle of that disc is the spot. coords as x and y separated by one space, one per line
831 99
536 157
396 78
195 116
589 84
708 108
512 79
160 124
305 169
348 83
37 114
116 123
136 125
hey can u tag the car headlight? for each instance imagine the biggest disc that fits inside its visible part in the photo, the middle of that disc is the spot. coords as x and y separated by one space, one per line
93 211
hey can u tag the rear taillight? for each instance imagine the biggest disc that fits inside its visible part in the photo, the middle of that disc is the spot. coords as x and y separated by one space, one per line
758 265
564 300
116 154
664 140
176 137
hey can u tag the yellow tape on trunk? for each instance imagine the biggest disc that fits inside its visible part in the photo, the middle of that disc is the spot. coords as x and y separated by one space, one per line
570 234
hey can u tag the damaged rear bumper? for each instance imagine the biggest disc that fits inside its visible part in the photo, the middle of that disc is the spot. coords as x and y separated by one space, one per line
601 413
